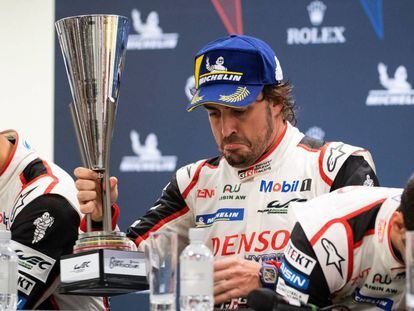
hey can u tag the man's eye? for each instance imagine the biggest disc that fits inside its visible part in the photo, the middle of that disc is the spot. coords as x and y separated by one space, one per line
239 112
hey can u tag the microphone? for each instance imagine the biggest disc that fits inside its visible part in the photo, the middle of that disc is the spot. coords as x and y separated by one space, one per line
264 299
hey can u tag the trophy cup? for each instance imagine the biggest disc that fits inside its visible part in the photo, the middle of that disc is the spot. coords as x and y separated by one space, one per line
93 48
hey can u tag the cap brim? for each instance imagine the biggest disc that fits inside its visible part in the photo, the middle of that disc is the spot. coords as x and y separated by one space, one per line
230 95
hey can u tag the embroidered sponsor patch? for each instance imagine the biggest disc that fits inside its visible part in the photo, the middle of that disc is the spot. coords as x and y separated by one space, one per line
255 170
222 214
240 94
382 303
25 285
333 257
42 223
32 261
298 259
290 293
334 155
294 278
196 98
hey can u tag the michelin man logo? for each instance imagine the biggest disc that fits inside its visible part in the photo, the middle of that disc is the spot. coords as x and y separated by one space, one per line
150 35
398 84
218 66
397 91
42 223
368 182
316 35
148 157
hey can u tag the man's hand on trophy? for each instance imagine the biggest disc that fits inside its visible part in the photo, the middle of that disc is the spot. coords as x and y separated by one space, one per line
89 195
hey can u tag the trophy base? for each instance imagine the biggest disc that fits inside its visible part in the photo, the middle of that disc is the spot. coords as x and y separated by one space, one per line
103 272
101 240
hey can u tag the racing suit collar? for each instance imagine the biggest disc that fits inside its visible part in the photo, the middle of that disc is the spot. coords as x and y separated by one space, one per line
20 156
275 145
383 241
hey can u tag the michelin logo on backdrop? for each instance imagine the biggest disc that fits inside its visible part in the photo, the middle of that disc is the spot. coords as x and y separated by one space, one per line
316 35
150 35
397 91
148 157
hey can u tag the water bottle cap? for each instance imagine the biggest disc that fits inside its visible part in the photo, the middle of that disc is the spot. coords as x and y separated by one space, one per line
5 235
196 234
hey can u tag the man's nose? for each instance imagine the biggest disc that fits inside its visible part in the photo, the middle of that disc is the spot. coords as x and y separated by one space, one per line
229 124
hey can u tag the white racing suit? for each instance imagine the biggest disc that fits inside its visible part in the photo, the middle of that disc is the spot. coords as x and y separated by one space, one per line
39 206
340 251
245 210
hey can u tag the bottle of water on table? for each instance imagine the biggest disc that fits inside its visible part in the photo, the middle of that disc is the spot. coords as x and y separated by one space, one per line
196 274
8 273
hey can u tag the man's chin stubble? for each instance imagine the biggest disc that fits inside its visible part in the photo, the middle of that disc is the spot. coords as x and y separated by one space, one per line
238 161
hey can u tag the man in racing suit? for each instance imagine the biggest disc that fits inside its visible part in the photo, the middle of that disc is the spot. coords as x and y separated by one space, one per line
39 207
348 247
242 196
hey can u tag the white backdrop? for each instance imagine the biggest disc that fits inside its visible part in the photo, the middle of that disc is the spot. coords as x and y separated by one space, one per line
27 70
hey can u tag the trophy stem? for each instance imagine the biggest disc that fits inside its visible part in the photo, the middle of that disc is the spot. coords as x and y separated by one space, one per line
83 151
106 191
106 204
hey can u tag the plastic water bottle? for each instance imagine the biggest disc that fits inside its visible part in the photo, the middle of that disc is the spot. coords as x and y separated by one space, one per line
8 273
196 274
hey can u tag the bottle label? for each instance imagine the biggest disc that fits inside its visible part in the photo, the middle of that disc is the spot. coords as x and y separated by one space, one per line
196 278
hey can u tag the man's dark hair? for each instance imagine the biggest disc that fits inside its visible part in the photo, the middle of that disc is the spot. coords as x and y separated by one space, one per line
282 93
407 204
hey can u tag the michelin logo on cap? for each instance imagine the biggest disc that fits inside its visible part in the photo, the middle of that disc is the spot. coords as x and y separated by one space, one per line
218 72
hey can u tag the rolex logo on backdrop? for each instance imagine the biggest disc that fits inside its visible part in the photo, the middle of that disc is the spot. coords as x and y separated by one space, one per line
316 35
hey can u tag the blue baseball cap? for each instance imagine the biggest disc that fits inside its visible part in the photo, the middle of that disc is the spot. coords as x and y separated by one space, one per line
232 71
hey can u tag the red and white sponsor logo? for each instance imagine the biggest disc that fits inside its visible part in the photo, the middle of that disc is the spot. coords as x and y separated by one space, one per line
205 193
381 230
254 170
255 242
360 276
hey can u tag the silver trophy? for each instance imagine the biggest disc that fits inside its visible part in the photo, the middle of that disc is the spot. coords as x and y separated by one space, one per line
93 48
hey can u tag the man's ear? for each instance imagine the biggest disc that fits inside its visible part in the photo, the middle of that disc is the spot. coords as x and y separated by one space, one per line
276 108
397 223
